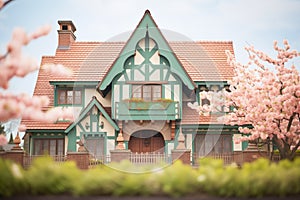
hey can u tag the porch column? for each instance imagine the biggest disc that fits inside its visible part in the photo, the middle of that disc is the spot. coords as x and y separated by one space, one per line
181 152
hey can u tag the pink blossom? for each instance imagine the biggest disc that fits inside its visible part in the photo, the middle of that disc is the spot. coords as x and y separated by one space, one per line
42 31
57 70
3 140
23 106
1 3
266 97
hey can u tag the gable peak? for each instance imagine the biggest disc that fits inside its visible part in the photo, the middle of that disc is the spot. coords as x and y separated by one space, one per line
147 12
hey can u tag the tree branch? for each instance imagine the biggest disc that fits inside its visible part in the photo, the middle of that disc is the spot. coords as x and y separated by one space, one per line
5 4
290 122
3 56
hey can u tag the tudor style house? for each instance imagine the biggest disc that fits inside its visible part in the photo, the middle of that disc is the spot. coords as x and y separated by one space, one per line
133 93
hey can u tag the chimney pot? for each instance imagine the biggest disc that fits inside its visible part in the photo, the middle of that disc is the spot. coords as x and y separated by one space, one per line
66 34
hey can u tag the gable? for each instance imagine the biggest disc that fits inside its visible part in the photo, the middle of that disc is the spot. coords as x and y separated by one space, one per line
94 103
146 28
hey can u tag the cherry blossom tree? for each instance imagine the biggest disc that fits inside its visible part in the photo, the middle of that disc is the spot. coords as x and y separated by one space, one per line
14 64
3 140
266 94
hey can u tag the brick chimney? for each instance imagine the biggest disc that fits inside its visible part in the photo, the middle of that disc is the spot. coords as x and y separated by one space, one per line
66 34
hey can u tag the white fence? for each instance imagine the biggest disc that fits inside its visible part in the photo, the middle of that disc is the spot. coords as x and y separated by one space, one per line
149 158
228 158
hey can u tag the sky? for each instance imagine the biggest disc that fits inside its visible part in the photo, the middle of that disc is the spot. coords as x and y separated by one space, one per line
245 22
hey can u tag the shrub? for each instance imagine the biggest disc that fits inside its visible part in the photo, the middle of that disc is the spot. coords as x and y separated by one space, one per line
47 177
178 180
256 179
11 179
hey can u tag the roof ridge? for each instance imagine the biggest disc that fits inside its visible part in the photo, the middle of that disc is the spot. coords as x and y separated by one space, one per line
98 42
45 56
215 41
203 41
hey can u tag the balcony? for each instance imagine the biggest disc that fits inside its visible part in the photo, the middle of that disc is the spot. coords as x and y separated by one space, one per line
143 110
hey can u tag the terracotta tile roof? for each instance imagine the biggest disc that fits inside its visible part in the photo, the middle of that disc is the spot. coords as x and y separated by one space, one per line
43 88
35 125
192 117
88 60
204 61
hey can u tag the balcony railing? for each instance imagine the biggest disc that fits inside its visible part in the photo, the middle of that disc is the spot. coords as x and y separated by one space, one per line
155 110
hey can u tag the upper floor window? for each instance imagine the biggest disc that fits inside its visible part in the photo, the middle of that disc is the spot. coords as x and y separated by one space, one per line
69 96
146 92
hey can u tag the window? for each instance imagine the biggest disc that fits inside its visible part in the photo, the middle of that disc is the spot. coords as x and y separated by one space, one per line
49 146
94 144
146 92
206 144
69 96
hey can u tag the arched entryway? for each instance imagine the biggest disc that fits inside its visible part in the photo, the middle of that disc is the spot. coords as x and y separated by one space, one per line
146 141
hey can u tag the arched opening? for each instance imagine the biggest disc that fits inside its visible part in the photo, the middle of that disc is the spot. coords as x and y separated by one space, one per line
146 141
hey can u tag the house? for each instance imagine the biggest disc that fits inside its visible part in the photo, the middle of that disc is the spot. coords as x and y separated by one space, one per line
134 94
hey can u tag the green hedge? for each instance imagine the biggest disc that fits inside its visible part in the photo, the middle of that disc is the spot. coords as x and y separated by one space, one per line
256 179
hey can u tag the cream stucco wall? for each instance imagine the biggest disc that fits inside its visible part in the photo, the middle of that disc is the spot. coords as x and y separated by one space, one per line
90 92
189 141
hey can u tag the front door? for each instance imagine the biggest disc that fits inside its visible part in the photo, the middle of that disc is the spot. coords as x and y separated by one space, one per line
146 141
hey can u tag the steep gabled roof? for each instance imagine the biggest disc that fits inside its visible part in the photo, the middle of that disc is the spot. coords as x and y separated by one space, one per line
89 107
91 61
146 25
88 60
205 60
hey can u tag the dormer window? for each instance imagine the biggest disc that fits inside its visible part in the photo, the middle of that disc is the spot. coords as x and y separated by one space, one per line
69 96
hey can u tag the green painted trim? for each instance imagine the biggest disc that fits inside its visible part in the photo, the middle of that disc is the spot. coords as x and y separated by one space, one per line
126 144
177 131
79 83
47 136
72 138
55 96
44 131
147 111
146 26
111 137
96 103
210 83
193 149
207 126
104 134
198 96
166 147
244 145
81 127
